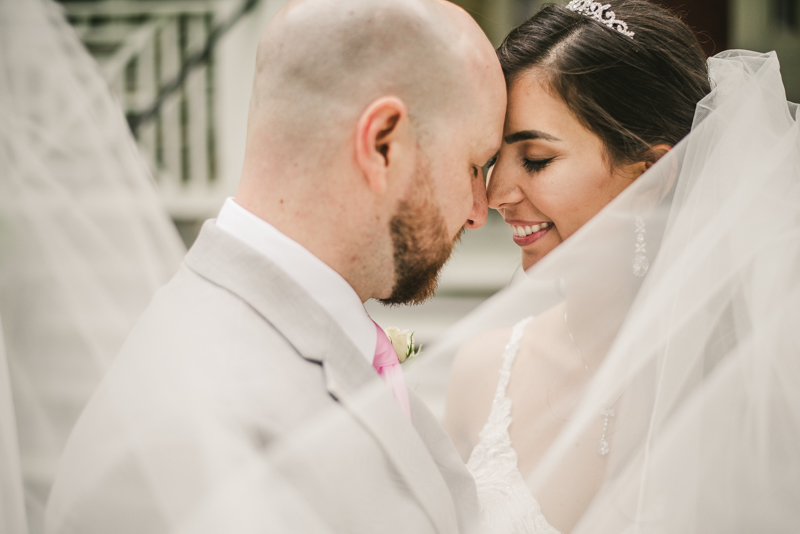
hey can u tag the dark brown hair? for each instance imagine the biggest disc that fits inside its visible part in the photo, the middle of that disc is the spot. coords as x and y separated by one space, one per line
633 93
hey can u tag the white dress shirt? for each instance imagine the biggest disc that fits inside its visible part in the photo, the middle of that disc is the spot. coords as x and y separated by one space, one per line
326 286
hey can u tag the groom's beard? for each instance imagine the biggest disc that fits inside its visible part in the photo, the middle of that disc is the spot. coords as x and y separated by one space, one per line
421 244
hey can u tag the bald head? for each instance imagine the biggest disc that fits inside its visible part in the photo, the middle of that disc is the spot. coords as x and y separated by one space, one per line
321 62
366 113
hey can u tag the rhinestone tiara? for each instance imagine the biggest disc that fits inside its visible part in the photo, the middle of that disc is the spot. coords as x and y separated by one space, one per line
601 13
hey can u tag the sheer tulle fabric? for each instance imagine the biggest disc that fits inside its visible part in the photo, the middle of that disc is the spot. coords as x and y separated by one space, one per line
701 354
84 243
12 496
706 361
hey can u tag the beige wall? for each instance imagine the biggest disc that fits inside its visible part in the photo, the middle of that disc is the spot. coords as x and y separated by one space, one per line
752 28
498 17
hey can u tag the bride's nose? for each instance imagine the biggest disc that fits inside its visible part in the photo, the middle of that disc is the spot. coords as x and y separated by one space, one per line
501 190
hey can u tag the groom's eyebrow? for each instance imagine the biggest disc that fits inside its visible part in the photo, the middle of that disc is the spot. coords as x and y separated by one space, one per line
527 135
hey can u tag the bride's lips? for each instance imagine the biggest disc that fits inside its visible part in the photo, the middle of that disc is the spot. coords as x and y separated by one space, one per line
527 232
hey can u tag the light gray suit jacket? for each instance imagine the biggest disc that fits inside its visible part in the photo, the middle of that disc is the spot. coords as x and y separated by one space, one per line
238 404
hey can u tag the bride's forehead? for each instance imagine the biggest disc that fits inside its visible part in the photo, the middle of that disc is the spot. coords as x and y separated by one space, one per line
534 105
532 94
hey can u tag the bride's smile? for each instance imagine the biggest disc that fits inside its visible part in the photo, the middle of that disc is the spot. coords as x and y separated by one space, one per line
526 233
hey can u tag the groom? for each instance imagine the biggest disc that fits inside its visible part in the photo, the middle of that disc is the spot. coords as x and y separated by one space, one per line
255 394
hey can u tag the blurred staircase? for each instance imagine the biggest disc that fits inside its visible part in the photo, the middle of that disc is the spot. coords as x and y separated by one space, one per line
159 59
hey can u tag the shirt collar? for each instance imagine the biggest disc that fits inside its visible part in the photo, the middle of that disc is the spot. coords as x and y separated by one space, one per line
325 285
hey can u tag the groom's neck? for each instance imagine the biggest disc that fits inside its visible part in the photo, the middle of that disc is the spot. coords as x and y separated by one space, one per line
331 217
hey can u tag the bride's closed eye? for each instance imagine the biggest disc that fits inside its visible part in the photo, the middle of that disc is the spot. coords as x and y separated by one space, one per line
536 165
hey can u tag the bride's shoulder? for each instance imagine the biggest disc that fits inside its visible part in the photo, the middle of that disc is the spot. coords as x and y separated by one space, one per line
473 380
481 353
476 371
477 363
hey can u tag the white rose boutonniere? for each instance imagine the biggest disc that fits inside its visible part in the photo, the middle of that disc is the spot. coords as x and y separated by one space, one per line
403 343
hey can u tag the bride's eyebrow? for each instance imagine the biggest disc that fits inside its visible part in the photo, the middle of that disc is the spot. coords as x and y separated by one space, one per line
527 135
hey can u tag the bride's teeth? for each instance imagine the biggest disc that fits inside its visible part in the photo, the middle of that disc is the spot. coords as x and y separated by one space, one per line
524 231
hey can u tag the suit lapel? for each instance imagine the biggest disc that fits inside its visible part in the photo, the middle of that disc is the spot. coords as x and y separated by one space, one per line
368 398
231 264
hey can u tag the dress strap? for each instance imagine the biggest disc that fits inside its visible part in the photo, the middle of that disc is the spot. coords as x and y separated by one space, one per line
509 355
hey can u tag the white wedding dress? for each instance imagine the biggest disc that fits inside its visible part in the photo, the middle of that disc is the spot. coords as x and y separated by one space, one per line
507 505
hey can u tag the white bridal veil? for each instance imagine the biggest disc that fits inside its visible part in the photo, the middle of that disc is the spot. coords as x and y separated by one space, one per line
701 356
84 243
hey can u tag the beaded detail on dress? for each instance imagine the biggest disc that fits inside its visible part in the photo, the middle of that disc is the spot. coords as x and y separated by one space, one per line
507 505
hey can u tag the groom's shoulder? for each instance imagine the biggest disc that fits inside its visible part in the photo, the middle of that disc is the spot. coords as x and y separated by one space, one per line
197 338
200 353
191 311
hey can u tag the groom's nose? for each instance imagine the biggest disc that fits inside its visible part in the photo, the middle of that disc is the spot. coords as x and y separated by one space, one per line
480 206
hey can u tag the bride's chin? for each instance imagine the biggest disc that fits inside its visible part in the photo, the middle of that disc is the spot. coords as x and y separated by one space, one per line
532 257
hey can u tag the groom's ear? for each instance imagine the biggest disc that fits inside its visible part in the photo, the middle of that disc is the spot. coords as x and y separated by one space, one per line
383 139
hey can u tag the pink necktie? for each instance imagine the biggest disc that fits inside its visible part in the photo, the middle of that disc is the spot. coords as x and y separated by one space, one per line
388 366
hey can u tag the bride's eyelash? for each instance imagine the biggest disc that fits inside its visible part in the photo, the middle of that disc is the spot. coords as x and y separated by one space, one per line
491 162
536 165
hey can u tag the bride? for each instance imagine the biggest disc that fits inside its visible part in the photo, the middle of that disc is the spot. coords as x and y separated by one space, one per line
595 98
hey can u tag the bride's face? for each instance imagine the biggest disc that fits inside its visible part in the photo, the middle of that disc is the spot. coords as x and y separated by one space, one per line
552 174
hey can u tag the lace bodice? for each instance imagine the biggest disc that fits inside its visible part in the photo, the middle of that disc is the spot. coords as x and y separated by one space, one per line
507 505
